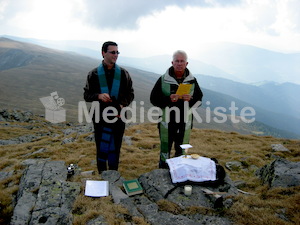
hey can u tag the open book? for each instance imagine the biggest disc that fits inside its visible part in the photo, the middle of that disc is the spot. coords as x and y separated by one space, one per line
184 89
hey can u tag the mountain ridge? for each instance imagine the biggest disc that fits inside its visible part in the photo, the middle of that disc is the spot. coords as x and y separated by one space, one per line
239 62
22 87
274 94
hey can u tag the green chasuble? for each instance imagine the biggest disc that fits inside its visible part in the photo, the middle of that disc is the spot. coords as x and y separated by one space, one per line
167 80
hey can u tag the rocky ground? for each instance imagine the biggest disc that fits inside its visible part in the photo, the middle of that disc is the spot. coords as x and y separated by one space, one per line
46 194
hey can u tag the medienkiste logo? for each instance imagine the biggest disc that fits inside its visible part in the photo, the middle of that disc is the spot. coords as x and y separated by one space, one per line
54 112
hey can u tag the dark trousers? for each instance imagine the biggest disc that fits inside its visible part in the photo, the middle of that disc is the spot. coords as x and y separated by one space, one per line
175 135
109 157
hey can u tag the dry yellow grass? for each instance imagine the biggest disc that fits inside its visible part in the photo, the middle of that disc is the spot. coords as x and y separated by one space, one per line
142 156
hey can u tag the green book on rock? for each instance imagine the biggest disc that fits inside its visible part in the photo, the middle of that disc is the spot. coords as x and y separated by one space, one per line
132 187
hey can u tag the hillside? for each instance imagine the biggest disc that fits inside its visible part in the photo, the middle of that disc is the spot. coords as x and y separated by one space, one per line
279 98
251 64
29 72
274 124
238 62
280 121
44 72
72 143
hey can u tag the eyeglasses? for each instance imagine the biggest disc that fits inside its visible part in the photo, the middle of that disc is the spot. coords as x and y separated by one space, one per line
114 52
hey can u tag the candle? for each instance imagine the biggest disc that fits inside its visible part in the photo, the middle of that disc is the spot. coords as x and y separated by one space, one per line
187 190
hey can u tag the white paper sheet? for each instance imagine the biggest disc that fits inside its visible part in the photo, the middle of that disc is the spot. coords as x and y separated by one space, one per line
94 188
185 146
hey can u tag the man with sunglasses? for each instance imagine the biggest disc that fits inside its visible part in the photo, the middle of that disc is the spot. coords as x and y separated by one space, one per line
111 86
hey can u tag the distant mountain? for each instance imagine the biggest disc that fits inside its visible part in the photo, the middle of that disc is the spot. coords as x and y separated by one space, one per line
29 72
278 98
159 64
155 64
242 63
272 119
252 64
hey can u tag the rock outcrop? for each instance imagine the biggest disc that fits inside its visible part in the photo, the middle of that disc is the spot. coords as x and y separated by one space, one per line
44 196
15 115
10 116
158 186
280 173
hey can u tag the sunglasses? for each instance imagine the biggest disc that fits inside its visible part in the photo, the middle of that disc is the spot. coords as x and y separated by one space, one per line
114 52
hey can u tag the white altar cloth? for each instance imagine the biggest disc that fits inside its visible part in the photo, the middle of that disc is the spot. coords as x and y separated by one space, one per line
188 169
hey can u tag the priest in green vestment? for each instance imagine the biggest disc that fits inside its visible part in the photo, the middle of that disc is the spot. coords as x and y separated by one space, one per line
175 126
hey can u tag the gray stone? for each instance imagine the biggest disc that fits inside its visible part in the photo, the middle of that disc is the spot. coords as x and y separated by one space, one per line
5 174
15 115
68 140
22 210
280 173
282 214
117 193
133 203
79 129
44 196
8 142
197 198
69 131
97 221
228 203
41 150
112 176
127 140
115 182
239 184
28 162
87 173
156 217
211 220
19 140
279 148
233 165
158 185
253 168
90 137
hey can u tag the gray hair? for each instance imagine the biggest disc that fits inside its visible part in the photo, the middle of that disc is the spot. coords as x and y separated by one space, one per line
180 52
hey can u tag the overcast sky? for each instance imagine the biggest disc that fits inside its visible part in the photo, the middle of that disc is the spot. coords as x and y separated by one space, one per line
154 27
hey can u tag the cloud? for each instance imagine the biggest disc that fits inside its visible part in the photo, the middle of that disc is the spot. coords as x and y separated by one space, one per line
9 8
273 19
288 17
271 24
120 14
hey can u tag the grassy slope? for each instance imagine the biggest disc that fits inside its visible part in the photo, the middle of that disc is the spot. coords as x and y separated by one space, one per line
142 156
